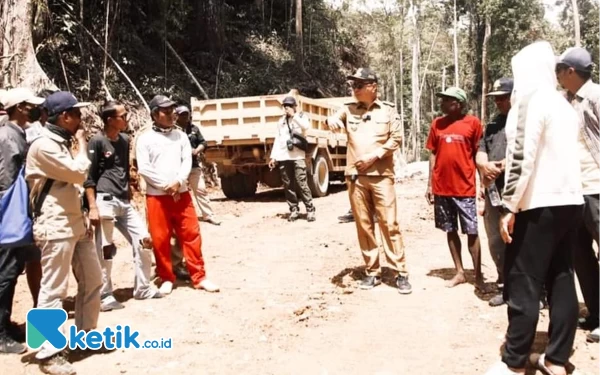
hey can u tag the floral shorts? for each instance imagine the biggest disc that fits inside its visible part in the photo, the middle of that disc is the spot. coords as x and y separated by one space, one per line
449 209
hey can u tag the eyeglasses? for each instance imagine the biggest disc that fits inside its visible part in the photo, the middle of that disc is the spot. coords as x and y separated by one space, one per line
125 116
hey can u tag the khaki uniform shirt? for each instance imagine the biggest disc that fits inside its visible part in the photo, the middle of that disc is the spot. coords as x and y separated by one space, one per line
374 130
61 214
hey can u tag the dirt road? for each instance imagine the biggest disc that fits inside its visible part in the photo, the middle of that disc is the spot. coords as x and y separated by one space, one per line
289 304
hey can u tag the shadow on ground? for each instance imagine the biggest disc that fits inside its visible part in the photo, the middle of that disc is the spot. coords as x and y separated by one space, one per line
277 194
447 274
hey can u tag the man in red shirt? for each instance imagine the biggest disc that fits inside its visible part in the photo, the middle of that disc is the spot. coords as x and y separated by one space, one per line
453 141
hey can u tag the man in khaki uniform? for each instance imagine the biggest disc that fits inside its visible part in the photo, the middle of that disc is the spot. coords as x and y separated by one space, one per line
59 228
373 129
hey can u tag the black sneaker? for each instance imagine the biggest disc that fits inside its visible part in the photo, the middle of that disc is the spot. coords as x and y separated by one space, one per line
181 273
57 365
403 285
588 323
15 332
347 218
293 216
9 346
310 216
369 282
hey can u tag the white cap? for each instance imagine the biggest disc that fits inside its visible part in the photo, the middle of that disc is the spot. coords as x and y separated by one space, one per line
19 95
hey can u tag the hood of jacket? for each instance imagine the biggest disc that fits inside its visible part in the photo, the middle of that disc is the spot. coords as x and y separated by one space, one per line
533 69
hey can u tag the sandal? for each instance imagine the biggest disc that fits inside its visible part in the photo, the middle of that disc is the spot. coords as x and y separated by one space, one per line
540 364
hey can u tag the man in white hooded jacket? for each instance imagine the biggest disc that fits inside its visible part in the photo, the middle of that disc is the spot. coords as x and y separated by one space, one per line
542 204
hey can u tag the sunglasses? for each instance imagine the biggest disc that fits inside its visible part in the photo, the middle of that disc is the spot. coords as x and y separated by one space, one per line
357 85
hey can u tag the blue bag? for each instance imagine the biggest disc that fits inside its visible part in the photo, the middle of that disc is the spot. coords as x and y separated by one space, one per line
16 226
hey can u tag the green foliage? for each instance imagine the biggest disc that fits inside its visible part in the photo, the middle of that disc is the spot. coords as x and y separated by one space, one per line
250 49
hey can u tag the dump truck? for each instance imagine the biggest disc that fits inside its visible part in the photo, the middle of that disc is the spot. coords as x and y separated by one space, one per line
240 133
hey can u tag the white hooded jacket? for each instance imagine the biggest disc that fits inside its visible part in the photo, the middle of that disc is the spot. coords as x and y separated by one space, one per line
542 159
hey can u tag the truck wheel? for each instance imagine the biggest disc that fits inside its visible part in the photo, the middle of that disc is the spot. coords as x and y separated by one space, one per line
318 180
239 186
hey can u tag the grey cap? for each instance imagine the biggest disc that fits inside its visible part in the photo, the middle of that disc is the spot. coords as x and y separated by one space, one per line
182 109
289 100
577 58
161 101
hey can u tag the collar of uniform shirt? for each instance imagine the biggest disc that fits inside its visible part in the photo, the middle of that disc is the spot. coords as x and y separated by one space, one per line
364 105
585 90
10 123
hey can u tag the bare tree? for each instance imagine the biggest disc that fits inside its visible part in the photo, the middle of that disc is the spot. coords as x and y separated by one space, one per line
299 34
19 64
402 80
455 40
576 23
416 110
484 67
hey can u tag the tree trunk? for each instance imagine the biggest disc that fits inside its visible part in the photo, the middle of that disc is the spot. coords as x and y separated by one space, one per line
444 78
19 63
402 82
416 110
299 35
484 67
455 39
576 23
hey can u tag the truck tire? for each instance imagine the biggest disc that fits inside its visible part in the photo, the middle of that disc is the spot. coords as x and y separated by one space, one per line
318 179
239 186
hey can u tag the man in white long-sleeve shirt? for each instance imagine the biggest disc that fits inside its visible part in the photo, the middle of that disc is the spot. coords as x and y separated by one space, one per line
164 158
289 154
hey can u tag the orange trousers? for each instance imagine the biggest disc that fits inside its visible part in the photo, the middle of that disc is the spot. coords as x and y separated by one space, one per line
166 215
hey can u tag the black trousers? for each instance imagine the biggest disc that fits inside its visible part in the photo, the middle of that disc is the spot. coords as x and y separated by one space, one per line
12 263
539 256
585 259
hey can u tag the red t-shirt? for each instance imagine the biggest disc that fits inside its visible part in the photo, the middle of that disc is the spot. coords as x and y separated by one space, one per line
454 144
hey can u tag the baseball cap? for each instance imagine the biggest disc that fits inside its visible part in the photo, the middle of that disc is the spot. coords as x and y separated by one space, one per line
161 101
502 86
577 58
363 74
182 109
454 92
289 100
61 101
19 95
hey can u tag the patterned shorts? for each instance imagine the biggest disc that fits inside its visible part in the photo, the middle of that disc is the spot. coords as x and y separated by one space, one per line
447 209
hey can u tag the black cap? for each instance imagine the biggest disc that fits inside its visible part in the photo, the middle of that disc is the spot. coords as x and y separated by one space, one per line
161 101
577 58
289 100
61 101
502 86
363 74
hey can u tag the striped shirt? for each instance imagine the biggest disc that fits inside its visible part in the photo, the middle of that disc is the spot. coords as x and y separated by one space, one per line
587 104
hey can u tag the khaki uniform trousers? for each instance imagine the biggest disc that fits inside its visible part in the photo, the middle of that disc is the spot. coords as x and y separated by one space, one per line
375 196
58 256
199 193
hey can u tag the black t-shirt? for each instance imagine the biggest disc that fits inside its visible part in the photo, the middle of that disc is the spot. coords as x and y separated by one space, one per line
196 139
109 172
493 143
